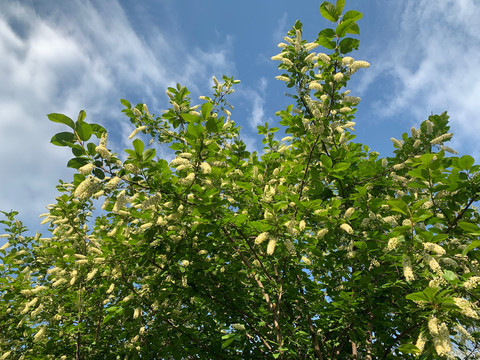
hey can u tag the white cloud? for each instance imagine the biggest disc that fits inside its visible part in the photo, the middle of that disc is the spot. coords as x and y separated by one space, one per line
280 31
70 58
433 65
256 97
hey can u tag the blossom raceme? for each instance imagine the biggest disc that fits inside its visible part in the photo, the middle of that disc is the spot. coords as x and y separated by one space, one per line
466 307
261 238
472 283
136 131
434 248
338 76
271 246
347 228
40 334
407 268
282 78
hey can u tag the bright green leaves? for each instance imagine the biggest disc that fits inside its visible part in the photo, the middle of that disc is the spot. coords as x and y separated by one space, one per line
347 24
352 15
63 139
427 295
195 130
138 145
325 38
207 109
348 44
62 119
83 130
465 162
340 5
398 205
329 11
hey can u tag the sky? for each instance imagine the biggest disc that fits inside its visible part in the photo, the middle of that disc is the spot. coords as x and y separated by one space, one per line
65 56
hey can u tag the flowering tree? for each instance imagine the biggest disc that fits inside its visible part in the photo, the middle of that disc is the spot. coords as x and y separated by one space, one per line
315 249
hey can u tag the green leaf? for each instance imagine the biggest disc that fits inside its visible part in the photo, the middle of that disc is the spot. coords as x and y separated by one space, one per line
138 145
340 6
450 276
398 206
328 11
108 317
83 130
469 227
77 162
341 166
328 44
352 15
60 118
327 33
362 245
408 349
472 246
63 139
99 173
212 125
191 118
342 28
148 154
195 130
326 161
418 296
206 109
91 149
430 292
466 162
348 44
81 116
354 29
126 103
98 130
228 341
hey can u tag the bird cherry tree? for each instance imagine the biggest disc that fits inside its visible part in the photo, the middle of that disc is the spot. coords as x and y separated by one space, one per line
317 248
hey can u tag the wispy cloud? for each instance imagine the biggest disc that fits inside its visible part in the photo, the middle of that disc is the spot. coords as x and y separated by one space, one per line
433 66
256 97
70 58
281 29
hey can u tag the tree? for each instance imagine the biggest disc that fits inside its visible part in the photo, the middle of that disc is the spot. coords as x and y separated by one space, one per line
315 249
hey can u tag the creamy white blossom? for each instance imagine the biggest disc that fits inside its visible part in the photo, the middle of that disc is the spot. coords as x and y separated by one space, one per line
282 78
261 238
86 169
347 228
136 131
338 76
271 246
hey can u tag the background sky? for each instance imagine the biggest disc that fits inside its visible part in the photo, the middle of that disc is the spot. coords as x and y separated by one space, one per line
64 56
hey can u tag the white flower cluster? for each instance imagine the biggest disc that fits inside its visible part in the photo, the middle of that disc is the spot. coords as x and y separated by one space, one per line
440 335
407 268
466 307
87 187
437 249
441 139
392 244
432 263
136 131
347 228
472 283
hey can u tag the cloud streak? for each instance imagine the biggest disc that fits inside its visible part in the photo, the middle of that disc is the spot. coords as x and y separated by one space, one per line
72 58
433 63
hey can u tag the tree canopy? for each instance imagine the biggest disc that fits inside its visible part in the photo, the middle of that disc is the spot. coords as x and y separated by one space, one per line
317 248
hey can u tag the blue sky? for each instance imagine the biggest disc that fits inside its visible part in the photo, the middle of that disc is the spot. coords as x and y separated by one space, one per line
64 56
